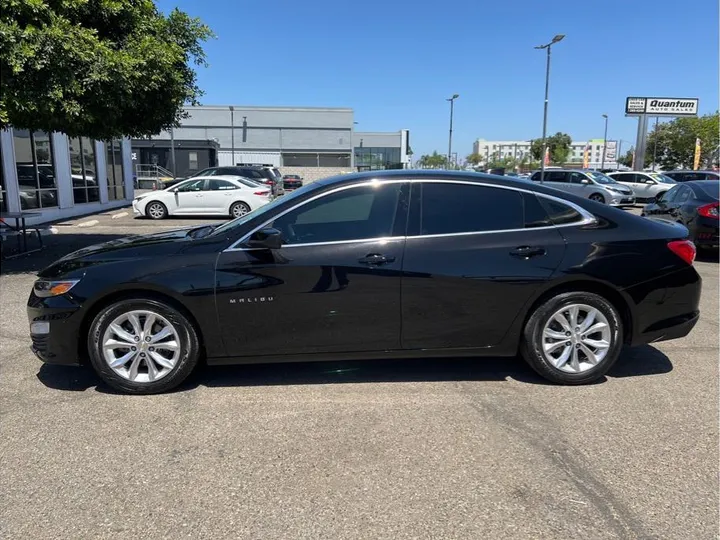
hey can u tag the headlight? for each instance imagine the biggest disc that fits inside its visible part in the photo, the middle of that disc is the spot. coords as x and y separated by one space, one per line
614 190
44 288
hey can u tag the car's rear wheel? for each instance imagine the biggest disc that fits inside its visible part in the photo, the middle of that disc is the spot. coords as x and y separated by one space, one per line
597 197
156 210
239 209
573 338
142 346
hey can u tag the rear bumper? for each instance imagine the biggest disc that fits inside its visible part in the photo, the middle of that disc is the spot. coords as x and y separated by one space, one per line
706 233
674 328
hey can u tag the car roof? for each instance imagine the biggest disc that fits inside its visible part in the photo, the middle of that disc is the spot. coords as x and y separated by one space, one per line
692 171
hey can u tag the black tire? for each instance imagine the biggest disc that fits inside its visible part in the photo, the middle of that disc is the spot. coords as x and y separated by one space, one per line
597 197
188 356
159 210
532 340
239 209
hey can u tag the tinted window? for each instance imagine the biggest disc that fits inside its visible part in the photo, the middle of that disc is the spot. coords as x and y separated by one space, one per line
454 208
535 214
711 176
559 213
577 178
193 185
683 195
217 185
710 188
350 214
251 173
556 176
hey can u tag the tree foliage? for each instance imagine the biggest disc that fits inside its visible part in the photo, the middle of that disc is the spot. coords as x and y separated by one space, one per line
676 142
559 145
433 161
627 159
475 159
100 68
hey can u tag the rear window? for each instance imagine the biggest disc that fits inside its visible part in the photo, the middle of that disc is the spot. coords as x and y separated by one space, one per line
711 188
560 213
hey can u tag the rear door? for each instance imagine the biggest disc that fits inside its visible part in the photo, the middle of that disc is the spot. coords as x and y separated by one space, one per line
474 256
219 196
334 286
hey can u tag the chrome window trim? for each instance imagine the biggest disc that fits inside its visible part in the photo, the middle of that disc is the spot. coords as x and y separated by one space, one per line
587 217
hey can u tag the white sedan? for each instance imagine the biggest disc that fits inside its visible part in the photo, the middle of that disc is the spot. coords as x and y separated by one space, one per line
232 196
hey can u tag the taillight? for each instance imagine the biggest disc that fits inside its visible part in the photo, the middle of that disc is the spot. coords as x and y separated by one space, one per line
684 249
261 193
709 210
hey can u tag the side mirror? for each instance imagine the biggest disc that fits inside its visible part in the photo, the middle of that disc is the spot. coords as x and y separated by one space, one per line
266 239
175 190
584 181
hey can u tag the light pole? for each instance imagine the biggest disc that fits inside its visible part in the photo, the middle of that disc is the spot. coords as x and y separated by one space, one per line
232 133
547 46
602 163
655 145
452 102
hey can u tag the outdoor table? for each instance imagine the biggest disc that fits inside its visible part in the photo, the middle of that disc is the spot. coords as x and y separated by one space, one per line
21 228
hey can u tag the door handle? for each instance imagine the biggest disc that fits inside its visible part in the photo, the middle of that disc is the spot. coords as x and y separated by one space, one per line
526 252
376 259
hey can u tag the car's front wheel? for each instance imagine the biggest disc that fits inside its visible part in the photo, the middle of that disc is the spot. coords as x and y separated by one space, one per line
597 197
156 210
573 338
142 346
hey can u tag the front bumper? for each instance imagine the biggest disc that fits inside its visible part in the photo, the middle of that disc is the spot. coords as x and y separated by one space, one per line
622 200
60 344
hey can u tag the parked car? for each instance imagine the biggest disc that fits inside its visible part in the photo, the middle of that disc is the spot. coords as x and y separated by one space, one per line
391 264
292 181
221 195
689 176
269 176
695 205
588 185
646 185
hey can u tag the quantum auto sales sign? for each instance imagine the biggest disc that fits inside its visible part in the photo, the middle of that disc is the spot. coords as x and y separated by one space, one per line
662 106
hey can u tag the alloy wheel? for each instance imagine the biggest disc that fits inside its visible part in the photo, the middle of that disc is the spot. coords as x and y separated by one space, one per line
239 210
141 346
156 211
576 338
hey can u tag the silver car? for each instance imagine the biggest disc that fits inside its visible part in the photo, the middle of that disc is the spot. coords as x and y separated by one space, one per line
646 185
588 184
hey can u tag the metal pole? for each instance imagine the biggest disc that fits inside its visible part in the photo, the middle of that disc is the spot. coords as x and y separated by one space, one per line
619 155
655 143
172 151
640 143
452 102
545 112
232 134
602 163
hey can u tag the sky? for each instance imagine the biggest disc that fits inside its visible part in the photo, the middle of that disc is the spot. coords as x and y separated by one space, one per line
396 62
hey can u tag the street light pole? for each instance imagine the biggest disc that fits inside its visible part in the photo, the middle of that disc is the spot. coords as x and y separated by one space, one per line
655 145
452 102
232 133
602 163
556 39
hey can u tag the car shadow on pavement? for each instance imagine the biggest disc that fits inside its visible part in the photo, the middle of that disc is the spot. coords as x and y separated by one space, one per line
633 362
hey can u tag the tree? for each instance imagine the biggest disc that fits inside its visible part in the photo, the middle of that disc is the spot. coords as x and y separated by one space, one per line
627 159
676 142
434 161
559 145
475 159
97 68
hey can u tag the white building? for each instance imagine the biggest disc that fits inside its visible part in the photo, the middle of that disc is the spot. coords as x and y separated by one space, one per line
58 177
520 149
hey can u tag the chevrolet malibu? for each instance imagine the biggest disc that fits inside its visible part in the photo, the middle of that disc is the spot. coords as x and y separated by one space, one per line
390 264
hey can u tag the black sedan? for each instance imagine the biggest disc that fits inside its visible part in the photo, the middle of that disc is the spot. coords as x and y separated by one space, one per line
384 264
292 181
695 205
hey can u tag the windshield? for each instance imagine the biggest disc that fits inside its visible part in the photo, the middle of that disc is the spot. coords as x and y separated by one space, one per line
600 178
662 178
266 208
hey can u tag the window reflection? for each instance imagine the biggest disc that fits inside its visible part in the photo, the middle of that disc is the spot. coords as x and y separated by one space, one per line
376 158
35 169
83 167
3 190
114 164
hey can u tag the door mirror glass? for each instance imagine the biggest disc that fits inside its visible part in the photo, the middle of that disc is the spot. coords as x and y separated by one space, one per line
267 238
584 181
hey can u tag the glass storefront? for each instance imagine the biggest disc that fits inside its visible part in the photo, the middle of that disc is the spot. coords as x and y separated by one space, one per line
316 160
35 169
376 158
114 165
83 169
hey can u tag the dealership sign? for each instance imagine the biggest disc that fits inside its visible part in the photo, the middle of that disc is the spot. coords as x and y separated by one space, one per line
653 106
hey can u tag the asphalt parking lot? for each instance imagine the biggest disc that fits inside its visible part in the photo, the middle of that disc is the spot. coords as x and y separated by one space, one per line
401 449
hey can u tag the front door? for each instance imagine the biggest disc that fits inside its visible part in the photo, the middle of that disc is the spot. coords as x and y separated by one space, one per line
334 286
188 199
474 257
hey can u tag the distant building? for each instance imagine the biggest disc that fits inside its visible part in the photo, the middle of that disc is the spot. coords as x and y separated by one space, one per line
285 137
520 149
